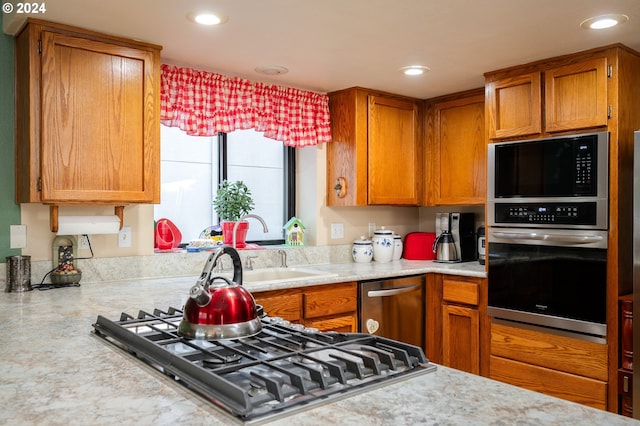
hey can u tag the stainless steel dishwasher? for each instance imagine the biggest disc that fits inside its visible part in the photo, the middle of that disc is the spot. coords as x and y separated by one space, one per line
393 308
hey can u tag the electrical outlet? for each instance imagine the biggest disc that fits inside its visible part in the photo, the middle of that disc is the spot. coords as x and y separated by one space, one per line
124 237
337 231
83 242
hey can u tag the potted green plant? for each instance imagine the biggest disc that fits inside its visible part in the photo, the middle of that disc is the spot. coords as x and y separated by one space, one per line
233 200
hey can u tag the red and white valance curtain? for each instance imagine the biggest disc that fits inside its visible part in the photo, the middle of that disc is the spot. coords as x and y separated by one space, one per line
203 103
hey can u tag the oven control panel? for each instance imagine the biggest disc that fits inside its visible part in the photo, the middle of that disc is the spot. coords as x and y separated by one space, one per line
546 213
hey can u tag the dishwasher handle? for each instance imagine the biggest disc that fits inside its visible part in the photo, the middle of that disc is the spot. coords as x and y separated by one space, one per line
392 291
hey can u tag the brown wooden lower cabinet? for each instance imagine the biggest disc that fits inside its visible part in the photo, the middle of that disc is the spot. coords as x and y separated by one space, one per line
461 324
563 385
461 338
331 307
557 365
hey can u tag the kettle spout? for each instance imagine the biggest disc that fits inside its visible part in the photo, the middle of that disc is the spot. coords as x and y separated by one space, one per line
200 295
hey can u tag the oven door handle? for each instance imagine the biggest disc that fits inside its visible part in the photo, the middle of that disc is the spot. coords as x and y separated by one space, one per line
392 291
554 238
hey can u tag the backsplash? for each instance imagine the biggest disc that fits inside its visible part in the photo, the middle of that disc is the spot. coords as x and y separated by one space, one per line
182 264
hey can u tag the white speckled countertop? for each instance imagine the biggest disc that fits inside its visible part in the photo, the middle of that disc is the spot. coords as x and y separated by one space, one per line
54 371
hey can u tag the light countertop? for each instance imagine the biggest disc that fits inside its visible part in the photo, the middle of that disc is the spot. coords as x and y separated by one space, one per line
55 371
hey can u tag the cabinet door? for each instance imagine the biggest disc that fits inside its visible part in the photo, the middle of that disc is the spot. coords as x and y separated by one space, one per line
460 167
461 338
99 131
576 96
347 152
393 152
514 106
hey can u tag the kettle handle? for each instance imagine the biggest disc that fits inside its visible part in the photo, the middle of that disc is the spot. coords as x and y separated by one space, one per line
435 242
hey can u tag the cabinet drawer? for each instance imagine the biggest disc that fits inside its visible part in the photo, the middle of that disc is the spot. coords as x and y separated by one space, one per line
562 353
459 291
285 306
343 324
563 385
332 301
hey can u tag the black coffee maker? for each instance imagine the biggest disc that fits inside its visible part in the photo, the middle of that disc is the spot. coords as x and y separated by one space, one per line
462 229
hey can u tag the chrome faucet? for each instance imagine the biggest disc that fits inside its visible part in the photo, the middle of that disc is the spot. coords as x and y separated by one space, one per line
283 258
246 216
249 263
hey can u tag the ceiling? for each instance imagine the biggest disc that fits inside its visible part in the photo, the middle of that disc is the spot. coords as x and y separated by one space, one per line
333 44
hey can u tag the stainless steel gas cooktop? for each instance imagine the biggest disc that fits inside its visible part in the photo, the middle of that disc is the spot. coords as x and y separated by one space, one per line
282 370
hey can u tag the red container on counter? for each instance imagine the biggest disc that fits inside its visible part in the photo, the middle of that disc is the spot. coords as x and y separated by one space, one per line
419 246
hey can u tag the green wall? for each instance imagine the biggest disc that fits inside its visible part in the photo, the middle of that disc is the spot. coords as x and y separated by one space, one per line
9 210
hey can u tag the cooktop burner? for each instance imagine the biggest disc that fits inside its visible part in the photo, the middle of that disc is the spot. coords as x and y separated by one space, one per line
282 370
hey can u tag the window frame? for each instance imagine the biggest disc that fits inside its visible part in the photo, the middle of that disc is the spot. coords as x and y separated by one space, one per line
289 183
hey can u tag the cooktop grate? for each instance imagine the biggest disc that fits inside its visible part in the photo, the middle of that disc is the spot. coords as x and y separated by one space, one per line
279 371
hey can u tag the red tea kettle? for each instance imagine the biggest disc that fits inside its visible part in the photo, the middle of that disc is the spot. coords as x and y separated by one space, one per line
219 308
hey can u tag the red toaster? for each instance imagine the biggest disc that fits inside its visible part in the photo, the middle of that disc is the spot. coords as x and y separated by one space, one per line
419 246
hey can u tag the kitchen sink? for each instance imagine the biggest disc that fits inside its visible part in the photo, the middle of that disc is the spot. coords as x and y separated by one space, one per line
267 275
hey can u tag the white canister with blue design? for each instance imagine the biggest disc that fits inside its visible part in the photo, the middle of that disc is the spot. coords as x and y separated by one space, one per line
362 250
383 245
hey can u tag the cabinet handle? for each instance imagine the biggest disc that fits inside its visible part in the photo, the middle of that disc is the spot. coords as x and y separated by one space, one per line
625 384
556 238
392 292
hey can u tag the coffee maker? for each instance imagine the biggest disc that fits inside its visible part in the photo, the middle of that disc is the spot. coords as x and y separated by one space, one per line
462 228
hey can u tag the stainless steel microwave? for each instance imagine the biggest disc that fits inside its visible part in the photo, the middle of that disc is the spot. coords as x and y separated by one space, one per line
560 182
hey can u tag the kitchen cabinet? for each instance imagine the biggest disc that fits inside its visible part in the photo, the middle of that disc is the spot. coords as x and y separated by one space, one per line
375 156
557 365
457 322
455 159
584 92
87 117
326 307
514 106
574 95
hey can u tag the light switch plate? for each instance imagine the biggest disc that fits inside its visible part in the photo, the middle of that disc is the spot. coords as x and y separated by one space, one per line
124 237
17 236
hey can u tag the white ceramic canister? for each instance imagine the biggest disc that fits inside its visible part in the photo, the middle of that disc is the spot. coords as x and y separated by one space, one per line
362 251
397 247
383 245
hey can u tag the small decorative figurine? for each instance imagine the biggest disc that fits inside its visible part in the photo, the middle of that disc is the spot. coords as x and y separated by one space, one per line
294 230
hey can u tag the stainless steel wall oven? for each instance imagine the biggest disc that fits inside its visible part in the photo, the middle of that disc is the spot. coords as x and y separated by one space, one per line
547 241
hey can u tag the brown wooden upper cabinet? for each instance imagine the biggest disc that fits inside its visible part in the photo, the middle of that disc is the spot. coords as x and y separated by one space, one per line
456 150
514 106
375 156
576 96
572 96
87 117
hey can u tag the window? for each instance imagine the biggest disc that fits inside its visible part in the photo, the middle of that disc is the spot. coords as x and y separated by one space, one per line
192 167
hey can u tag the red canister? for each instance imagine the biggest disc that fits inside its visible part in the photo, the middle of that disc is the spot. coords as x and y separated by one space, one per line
419 246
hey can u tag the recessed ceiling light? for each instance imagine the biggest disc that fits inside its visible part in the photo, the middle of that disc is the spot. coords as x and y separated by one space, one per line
414 70
604 21
272 70
207 18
